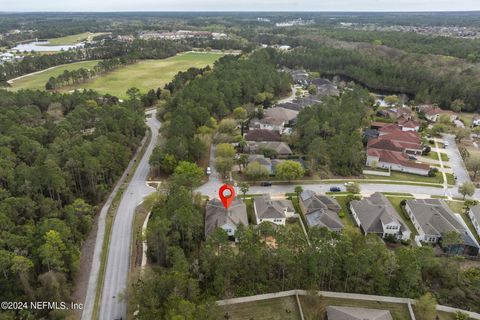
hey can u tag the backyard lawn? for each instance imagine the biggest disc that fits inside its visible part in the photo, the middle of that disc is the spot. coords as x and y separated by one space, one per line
312 306
271 309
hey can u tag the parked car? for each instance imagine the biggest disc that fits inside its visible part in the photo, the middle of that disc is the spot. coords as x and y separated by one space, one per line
348 183
445 144
266 184
335 189
412 158
209 171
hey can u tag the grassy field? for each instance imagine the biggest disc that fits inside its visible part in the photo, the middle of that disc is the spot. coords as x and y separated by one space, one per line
38 81
72 39
146 74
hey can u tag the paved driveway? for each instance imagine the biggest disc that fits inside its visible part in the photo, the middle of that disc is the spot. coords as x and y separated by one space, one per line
455 159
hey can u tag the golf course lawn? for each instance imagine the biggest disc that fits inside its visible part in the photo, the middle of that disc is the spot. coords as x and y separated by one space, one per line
144 75
38 80
72 39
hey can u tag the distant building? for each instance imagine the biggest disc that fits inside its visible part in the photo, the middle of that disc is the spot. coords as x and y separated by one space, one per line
376 214
274 211
230 219
433 113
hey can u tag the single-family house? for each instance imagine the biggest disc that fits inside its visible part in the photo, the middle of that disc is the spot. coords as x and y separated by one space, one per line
396 161
320 211
216 216
408 123
260 159
393 148
474 215
354 313
280 148
274 211
376 214
433 113
433 219
275 119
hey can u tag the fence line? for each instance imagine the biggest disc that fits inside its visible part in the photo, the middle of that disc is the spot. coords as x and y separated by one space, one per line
343 295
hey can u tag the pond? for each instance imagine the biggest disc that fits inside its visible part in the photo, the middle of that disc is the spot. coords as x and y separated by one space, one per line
43 46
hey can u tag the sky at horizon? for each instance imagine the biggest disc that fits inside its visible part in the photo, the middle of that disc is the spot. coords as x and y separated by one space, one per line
243 5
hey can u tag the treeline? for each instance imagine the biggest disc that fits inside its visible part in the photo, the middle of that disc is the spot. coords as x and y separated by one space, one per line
189 273
53 175
83 74
329 133
413 42
234 81
381 72
108 49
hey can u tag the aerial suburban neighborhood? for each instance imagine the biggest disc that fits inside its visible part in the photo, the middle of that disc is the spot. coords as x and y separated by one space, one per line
240 161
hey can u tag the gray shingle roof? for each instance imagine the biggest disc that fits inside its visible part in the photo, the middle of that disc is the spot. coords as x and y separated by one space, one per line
216 215
351 313
476 212
436 218
320 210
266 208
374 210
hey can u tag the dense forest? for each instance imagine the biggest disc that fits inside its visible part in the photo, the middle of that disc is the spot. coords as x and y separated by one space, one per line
190 273
234 81
59 156
329 132
412 42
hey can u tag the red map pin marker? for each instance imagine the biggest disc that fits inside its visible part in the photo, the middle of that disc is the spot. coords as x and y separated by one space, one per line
226 194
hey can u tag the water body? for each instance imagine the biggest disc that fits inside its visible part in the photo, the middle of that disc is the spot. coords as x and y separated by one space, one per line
43 46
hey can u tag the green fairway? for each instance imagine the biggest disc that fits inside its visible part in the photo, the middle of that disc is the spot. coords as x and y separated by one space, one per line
38 80
147 74
72 39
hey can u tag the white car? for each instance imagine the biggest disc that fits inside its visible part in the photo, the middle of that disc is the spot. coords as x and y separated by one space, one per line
445 144
209 171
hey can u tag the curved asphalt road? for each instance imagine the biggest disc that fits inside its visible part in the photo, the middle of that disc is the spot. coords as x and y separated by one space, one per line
118 263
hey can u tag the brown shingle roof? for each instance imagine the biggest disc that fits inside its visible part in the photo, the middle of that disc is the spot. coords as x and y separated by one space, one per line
263 135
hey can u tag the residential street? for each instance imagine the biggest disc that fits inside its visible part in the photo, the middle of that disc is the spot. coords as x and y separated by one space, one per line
455 159
117 268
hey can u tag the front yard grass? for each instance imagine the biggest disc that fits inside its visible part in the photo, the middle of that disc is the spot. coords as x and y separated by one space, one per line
395 201
347 218
401 176
434 156
459 207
